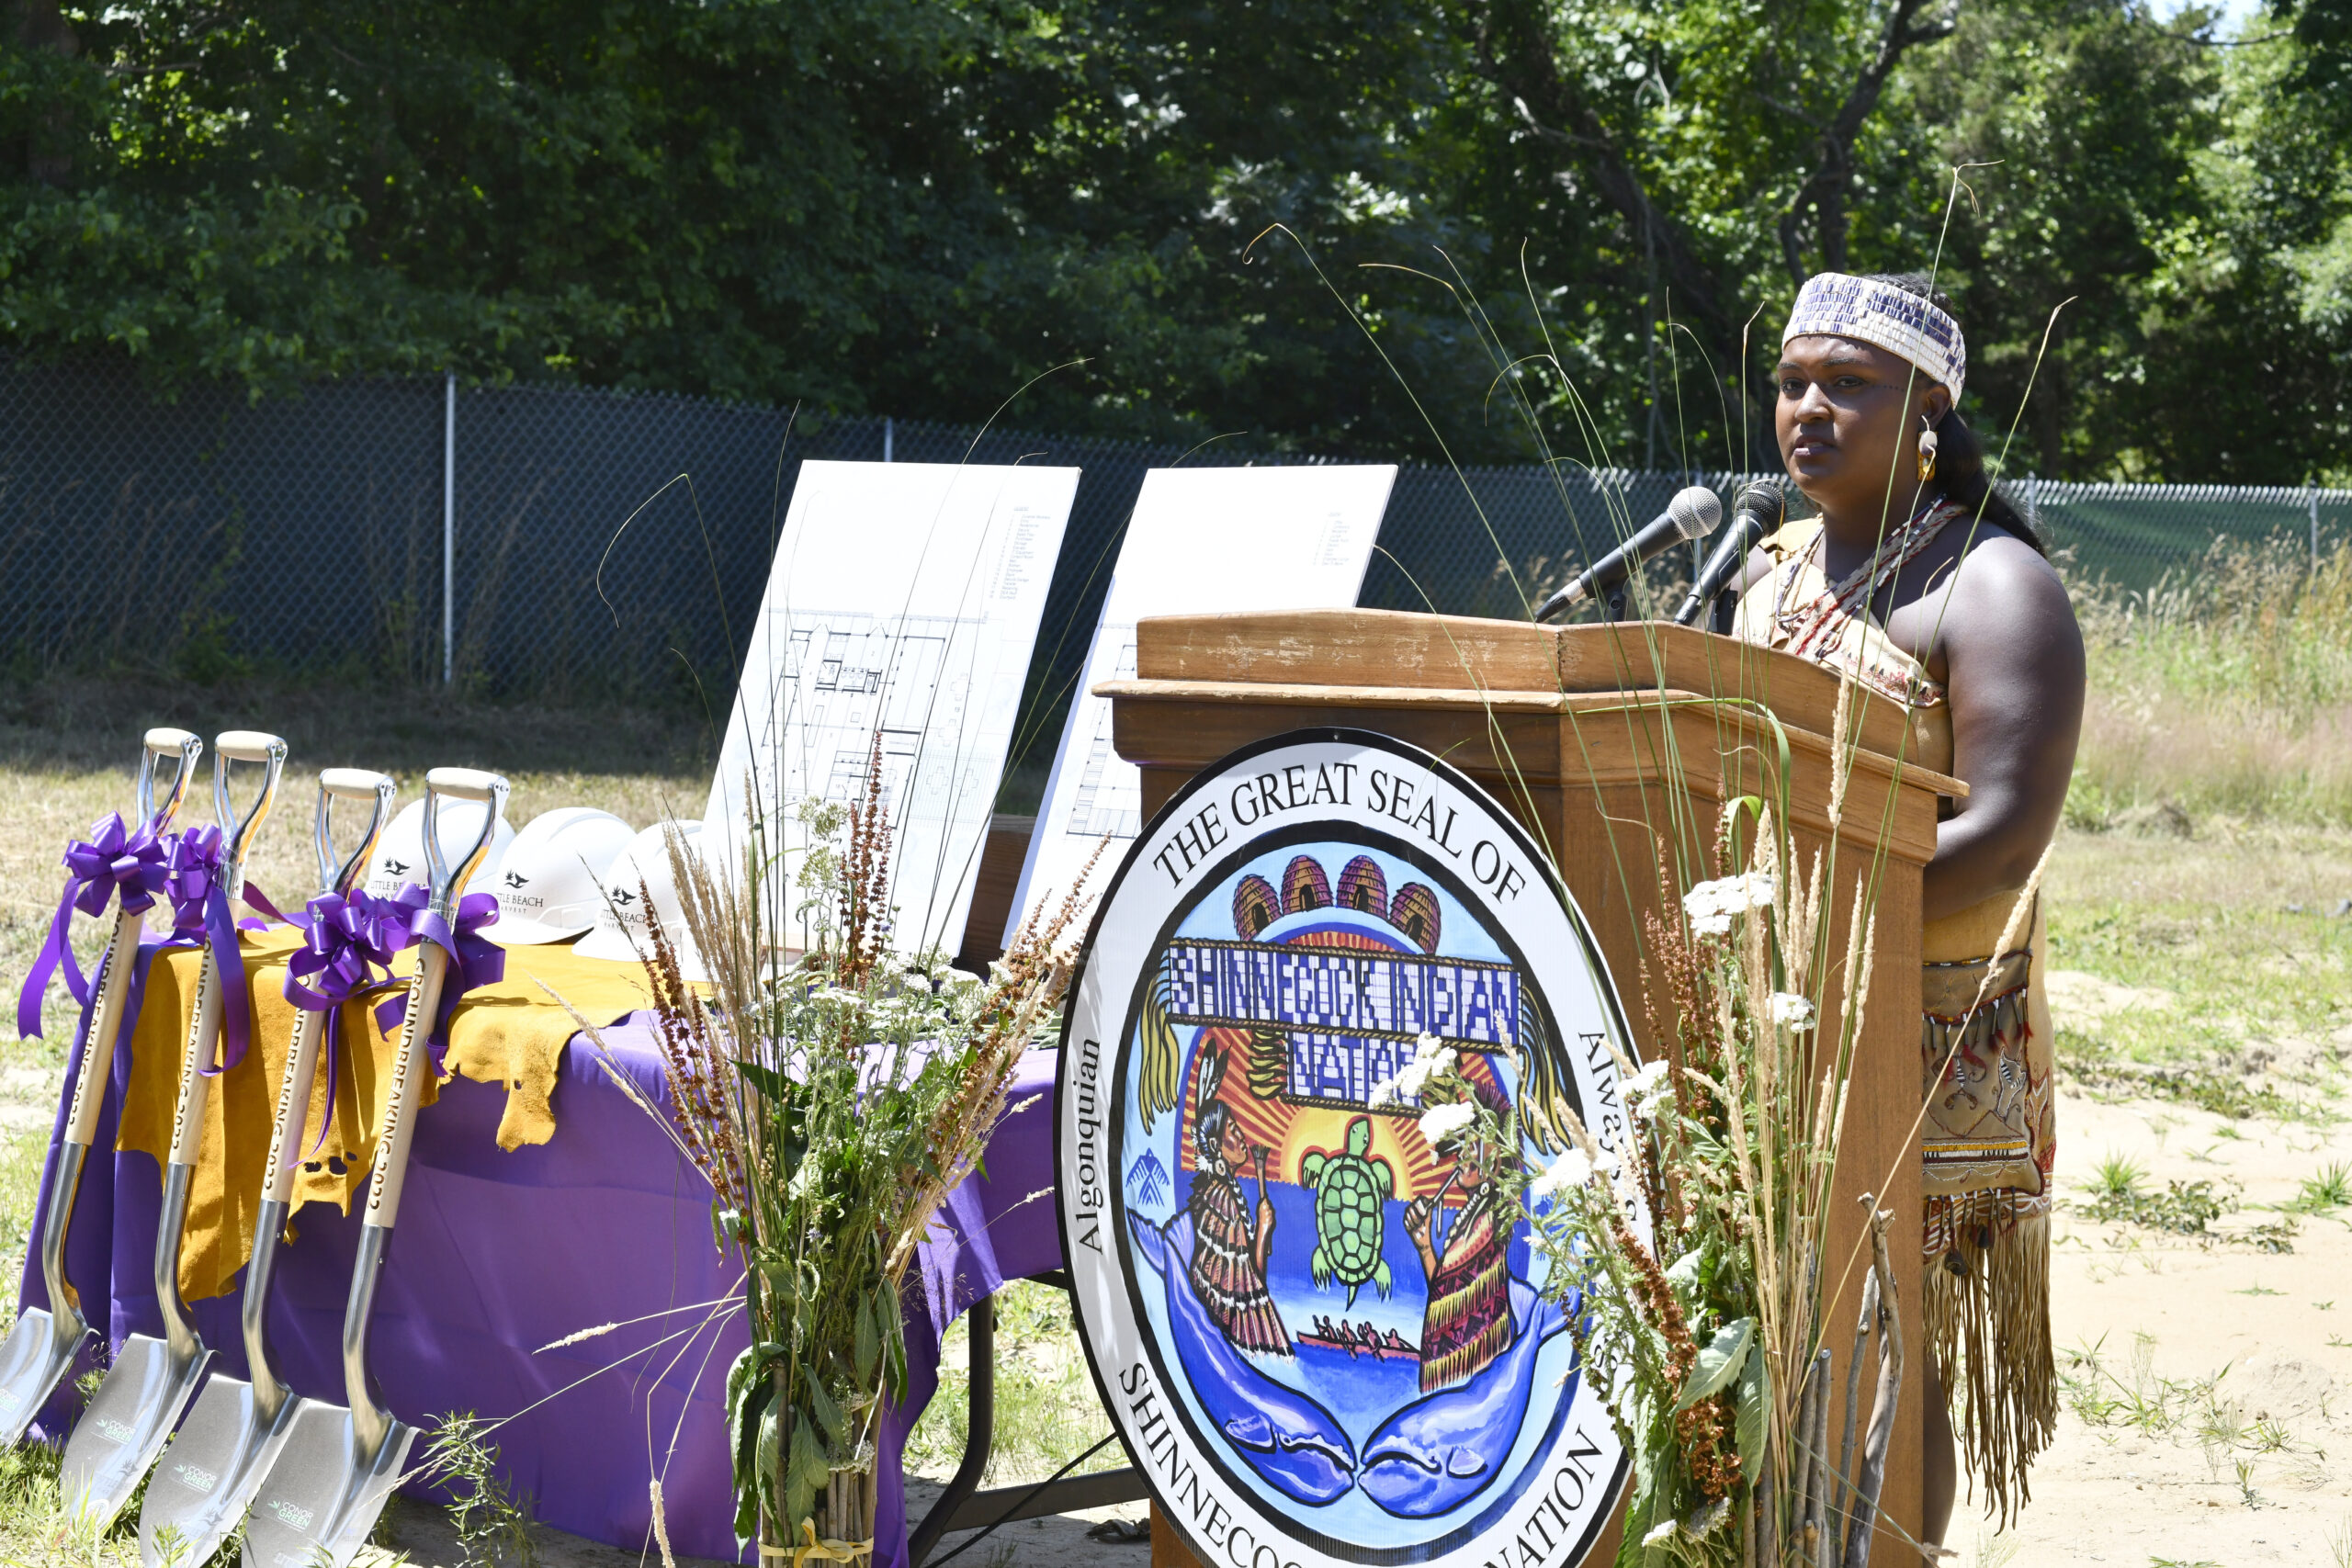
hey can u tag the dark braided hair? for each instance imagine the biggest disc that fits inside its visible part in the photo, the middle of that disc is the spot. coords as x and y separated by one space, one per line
1960 456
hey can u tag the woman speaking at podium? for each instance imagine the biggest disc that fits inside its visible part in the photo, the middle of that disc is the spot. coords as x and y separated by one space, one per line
1924 582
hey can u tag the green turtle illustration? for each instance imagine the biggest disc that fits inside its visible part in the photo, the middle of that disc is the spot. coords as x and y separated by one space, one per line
1350 1191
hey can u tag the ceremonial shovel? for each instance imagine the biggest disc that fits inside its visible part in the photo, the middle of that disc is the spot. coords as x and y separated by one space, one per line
339 1466
233 1435
44 1342
152 1380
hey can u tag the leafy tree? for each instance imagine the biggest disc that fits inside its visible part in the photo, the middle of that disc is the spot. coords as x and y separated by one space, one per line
919 207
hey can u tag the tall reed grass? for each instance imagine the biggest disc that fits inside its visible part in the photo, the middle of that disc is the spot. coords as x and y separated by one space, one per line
2225 689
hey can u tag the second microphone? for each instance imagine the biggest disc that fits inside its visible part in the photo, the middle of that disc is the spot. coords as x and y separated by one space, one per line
1693 515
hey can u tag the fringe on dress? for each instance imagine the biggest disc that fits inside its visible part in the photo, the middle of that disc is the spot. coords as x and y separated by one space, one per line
1467 1323
1988 1146
1225 1275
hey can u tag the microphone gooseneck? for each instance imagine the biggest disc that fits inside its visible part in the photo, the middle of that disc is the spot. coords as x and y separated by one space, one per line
1757 513
1693 515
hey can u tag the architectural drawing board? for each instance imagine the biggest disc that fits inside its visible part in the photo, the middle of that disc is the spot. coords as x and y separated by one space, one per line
1202 540
904 598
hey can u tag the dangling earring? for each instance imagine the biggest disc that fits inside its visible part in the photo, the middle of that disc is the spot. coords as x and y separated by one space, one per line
1926 450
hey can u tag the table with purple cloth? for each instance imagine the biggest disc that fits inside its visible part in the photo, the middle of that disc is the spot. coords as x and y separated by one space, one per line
498 1257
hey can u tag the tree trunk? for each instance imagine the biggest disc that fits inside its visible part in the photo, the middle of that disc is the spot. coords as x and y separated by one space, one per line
1823 195
40 25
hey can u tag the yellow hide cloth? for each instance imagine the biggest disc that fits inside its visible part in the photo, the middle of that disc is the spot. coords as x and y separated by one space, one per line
511 1033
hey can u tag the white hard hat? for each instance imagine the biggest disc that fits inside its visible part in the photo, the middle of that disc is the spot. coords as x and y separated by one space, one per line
642 868
400 854
547 884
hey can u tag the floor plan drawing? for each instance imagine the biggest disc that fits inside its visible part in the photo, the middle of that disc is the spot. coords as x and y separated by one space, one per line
900 611
847 675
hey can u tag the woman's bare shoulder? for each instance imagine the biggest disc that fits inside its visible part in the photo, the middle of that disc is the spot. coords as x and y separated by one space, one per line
1997 563
2007 596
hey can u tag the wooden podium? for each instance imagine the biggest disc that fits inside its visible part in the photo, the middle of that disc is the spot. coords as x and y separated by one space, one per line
1575 731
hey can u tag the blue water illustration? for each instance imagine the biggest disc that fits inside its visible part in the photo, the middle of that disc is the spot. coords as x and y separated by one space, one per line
1438 1454
1281 1433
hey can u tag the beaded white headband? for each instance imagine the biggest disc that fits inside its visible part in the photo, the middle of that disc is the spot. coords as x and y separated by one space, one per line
1837 304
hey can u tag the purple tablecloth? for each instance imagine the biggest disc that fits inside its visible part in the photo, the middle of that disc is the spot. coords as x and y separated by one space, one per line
498 1254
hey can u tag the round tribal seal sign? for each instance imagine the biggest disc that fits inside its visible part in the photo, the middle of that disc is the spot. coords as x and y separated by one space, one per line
1325 1339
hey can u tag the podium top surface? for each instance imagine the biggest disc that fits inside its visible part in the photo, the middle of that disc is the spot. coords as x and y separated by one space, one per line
1407 651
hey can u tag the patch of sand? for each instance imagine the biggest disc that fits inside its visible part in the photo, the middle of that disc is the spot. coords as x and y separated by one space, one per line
2083 998
2249 1355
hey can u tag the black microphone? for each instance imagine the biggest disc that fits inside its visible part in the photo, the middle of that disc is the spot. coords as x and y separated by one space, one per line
1693 515
1757 513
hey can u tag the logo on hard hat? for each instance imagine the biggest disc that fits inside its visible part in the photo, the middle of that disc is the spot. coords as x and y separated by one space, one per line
515 879
395 867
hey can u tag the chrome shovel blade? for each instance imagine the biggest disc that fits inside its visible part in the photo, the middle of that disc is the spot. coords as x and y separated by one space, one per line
209 1476
125 1426
39 1354
324 1496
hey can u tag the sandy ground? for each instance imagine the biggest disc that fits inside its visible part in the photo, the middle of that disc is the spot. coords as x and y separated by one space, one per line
2272 1333
421 1537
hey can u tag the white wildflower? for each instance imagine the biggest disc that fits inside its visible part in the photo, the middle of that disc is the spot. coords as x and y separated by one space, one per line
1433 1059
1660 1534
1791 1011
1570 1170
1650 1105
1440 1122
1652 1075
1712 904
1703 900
1607 1163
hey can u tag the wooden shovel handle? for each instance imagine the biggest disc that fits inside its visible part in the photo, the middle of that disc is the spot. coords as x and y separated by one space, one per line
285 1129
105 1022
203 1043
399 1111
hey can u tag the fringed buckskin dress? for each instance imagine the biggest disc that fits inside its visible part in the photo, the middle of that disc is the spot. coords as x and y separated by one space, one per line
1985 1048
1226 1274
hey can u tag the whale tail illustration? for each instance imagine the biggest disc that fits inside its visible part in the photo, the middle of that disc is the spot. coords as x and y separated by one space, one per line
1447 1447
1149 1241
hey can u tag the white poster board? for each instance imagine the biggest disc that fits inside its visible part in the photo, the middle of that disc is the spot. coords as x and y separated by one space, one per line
1202 540
905 597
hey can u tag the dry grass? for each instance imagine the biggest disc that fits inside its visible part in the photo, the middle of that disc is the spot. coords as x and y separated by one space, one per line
69 750
1046 1410
2224 691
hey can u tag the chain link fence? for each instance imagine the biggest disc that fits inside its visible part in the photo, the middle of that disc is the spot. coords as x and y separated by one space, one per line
611 546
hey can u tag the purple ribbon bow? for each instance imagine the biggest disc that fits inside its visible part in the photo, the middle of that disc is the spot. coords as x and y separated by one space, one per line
116 861
198 893
346 955
474 959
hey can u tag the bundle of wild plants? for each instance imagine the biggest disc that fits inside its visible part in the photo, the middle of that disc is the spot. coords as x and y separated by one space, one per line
833 1099
1708 1333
